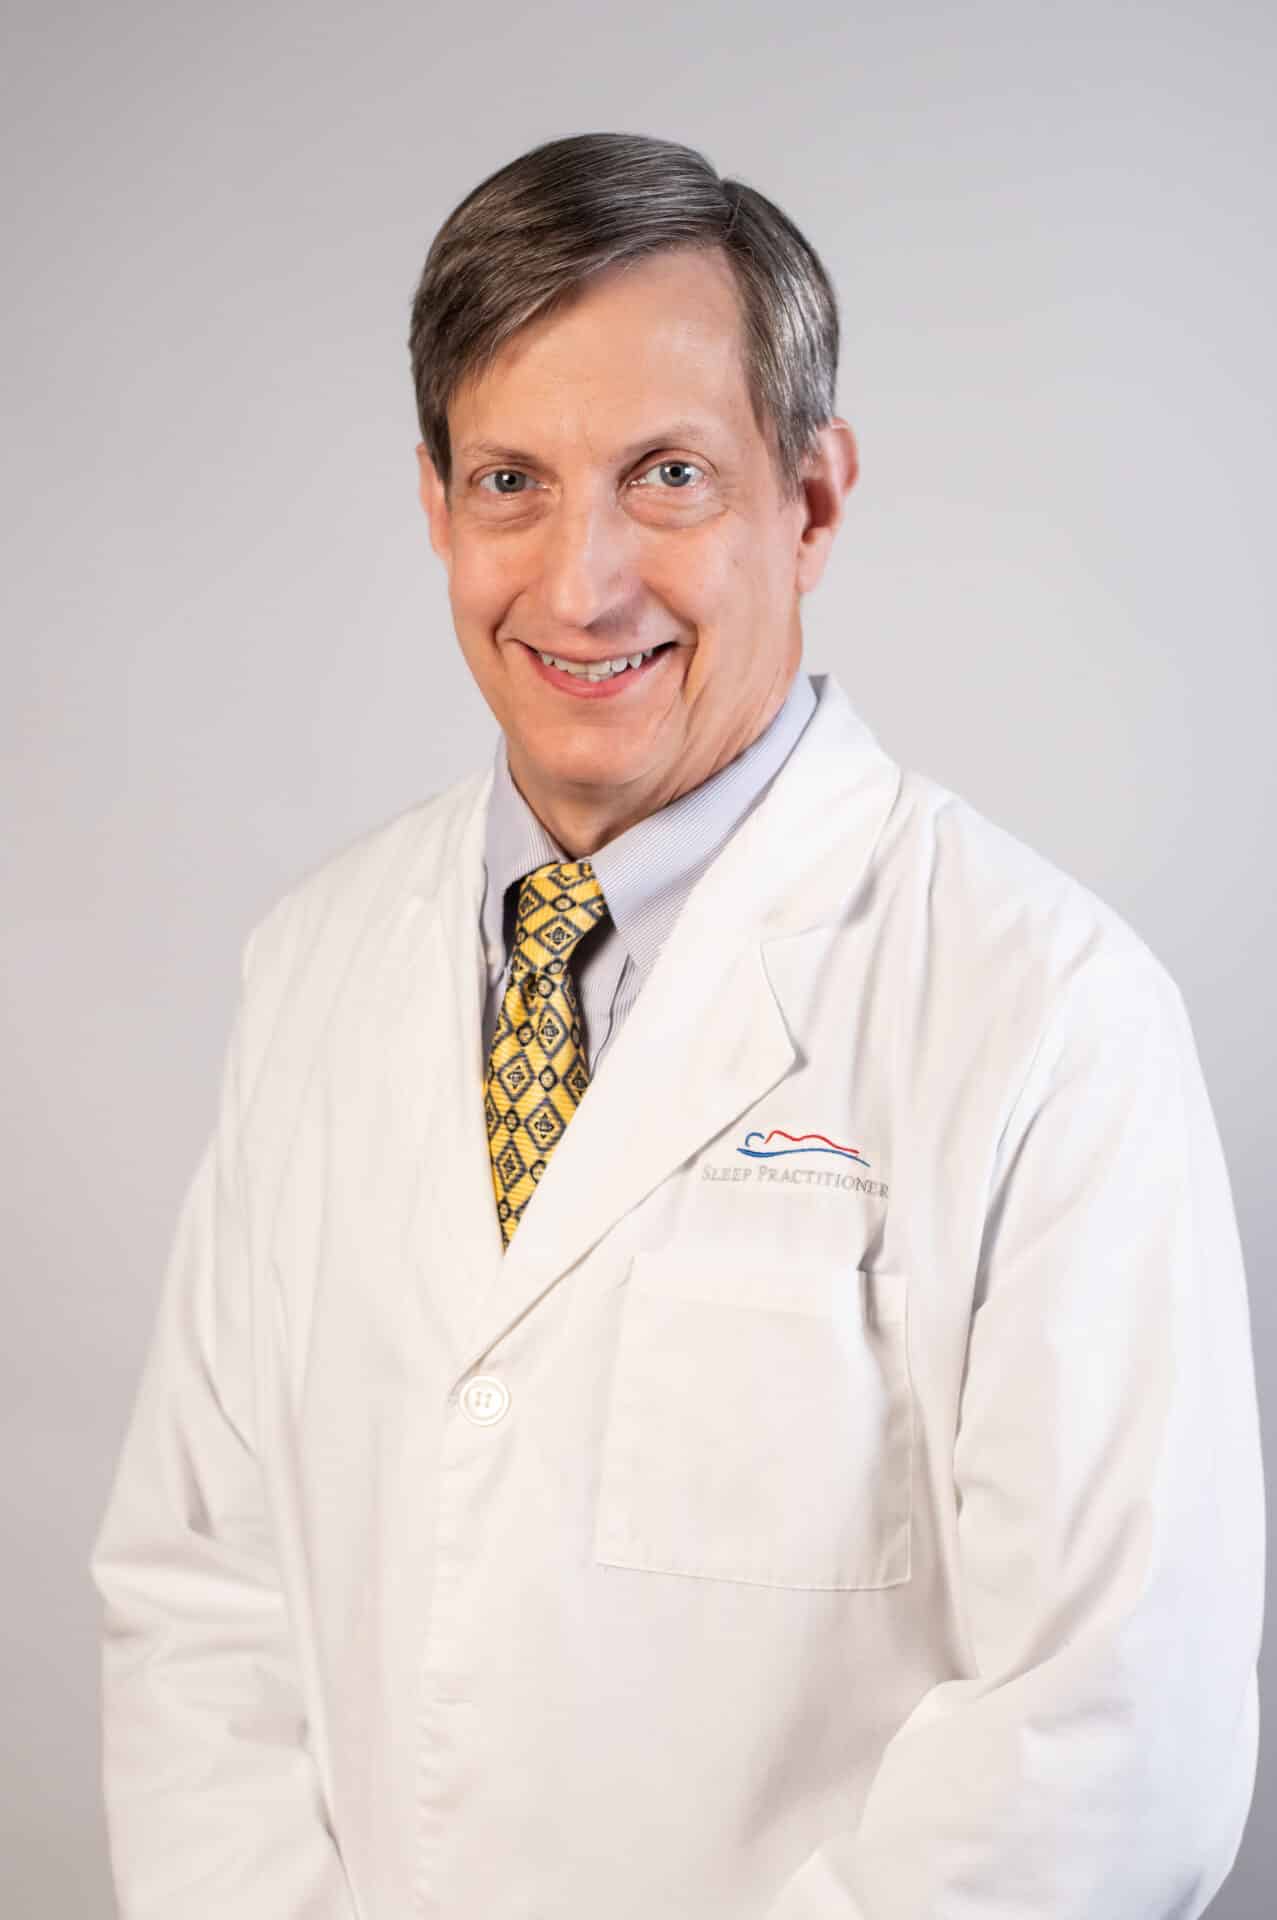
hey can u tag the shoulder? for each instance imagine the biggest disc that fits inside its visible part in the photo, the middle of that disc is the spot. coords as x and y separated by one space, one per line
327 908
1013 935
980 913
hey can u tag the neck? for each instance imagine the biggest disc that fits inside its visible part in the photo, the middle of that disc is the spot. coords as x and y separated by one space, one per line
584 820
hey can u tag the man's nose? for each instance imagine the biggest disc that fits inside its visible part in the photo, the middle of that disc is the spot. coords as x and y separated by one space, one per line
585 561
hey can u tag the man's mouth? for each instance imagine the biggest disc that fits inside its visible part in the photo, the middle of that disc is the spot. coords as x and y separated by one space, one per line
596 670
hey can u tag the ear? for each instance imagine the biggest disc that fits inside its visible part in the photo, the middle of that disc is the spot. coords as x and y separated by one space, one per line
434 501
829 476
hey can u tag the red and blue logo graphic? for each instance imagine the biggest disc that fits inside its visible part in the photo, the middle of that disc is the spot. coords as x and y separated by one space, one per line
759 1146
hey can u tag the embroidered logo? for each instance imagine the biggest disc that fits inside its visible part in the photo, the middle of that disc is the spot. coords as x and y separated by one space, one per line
759 1146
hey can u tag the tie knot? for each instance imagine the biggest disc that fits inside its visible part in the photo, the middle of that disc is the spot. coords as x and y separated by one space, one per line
558 904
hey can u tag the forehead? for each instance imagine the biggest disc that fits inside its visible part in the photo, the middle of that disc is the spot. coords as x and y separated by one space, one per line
640 347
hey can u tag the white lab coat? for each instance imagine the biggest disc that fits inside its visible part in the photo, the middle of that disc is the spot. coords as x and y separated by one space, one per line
872 1534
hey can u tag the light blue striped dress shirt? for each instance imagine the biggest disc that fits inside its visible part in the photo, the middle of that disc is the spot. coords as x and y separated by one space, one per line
646 873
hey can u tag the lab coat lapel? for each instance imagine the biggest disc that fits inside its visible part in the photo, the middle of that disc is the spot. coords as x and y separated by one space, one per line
682 1067
426 1006
708 1035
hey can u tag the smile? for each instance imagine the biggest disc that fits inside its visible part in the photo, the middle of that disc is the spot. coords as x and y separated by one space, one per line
596 669
598 678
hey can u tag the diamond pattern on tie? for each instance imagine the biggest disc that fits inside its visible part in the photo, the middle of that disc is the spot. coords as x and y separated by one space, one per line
537 1069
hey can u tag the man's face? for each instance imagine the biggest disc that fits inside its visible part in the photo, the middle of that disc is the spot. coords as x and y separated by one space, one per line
612 496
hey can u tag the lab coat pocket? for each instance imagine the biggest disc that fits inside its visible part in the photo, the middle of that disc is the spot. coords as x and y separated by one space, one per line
760 1424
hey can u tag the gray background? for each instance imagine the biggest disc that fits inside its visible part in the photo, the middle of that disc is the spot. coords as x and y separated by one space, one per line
229 651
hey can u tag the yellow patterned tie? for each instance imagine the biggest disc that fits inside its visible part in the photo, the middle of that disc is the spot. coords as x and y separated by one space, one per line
537 1068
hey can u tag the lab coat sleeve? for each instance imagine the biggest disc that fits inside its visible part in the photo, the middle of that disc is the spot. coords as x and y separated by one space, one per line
1095 1757
210 1790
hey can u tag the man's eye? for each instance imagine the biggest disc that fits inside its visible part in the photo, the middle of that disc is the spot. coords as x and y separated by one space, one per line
681 473
501 475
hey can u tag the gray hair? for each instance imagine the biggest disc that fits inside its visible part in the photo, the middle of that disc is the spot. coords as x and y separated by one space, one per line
525 240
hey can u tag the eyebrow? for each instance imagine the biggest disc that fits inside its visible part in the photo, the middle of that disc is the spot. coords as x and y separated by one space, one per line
677 430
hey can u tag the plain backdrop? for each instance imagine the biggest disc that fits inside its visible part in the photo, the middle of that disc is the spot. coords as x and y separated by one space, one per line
227 649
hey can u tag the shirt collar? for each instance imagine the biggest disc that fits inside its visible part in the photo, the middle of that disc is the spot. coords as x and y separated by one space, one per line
648 871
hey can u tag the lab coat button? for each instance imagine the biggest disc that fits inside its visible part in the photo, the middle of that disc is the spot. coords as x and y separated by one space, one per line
484 1399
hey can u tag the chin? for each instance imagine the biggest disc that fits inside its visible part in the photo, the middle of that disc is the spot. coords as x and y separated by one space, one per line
590 766
595 748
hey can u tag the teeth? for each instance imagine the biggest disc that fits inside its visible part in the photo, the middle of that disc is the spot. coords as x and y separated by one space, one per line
598 669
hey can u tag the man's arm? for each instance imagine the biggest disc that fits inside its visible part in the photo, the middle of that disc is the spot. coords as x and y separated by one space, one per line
1097 1760
212 1799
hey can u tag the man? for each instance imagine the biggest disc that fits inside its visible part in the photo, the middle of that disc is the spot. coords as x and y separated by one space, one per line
705 1370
